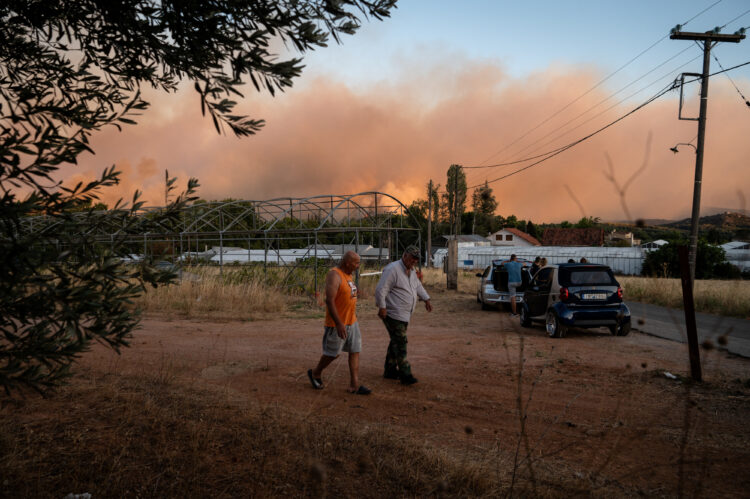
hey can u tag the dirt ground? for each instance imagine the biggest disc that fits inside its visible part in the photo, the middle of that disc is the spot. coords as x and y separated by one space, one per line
599 410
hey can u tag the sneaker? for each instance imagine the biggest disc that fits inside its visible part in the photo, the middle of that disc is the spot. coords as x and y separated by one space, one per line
316 383
408 380
391 375
514 315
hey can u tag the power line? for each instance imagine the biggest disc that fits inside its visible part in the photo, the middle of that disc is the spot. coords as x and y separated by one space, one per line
596 85
733 20
517 161
593 117
730 79
659 94
575 143
609 108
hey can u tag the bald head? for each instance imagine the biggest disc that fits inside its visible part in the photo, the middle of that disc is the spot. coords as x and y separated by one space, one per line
349 262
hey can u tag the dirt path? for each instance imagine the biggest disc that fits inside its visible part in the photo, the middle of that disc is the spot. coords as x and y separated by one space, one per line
599 409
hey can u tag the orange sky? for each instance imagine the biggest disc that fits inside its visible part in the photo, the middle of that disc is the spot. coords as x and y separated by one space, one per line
323 137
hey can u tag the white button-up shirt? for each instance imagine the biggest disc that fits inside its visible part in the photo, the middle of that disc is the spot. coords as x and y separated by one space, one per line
397 292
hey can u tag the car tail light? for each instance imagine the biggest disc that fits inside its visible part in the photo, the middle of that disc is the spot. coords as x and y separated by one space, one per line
564 294
619 292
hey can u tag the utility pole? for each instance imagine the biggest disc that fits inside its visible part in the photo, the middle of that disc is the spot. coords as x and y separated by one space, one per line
455 200
429 225
708 39
166 188
452 267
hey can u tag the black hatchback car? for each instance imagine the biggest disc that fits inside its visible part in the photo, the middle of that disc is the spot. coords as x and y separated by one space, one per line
575 295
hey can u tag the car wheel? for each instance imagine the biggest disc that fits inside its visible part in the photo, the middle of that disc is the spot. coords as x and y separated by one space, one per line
620 329
525 320
554 328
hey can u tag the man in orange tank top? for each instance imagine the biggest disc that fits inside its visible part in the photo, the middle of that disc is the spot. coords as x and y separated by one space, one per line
341 328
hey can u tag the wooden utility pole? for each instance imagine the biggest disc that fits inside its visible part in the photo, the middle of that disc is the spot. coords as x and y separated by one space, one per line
691 329
452 267
166 188
708 39
429 225
455 201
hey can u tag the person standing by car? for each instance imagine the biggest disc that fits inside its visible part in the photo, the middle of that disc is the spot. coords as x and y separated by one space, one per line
514 280
535 266
341 328
396 297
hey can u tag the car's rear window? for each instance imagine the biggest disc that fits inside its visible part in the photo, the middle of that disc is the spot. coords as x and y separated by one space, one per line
588 276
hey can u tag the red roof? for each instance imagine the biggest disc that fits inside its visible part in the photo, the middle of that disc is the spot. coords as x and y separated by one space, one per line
526 237
573 237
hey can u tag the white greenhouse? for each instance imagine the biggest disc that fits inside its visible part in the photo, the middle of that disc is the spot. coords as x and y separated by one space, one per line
628 260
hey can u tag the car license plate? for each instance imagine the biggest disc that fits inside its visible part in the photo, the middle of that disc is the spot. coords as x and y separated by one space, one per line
594 296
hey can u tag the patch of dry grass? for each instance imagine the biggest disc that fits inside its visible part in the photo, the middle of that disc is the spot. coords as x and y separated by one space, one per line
730 298
147 436
244 293
468 282
210 297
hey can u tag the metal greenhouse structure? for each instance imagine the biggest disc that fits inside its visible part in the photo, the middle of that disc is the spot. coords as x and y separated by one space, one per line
284 234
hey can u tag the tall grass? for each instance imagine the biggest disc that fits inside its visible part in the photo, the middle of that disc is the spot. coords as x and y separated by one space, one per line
251 293
730 298
211 297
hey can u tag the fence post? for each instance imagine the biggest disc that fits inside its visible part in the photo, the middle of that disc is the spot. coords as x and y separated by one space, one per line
221 252
315 267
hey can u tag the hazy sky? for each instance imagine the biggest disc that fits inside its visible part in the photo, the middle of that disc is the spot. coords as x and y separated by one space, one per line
474 83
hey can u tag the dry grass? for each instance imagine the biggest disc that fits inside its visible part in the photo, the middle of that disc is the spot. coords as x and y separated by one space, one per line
148 436
730 298
244 293
210 297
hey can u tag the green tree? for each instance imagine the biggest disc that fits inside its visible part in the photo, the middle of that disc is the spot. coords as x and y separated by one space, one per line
587 222
418 208
435 202
69 69
483 200
454 198
665 261
532 230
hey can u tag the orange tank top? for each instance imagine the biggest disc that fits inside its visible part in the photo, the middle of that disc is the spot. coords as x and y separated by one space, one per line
345 301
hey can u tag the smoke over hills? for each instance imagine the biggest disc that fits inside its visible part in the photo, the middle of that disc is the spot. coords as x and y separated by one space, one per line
324 137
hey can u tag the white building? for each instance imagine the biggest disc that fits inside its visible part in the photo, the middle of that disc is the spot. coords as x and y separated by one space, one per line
628 260
654 245
289 256
615 237
738 254
512 237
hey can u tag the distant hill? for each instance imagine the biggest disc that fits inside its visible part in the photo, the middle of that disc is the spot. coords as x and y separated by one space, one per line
727 225
724 221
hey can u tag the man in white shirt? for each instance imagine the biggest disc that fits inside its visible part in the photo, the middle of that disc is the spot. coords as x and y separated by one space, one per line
396 297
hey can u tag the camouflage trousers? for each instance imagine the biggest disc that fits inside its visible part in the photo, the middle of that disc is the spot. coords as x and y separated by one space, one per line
395 357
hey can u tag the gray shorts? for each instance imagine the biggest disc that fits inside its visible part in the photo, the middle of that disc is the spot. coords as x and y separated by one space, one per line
512 288
333 345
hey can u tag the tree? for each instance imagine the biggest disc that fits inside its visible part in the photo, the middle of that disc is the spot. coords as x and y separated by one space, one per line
69 69
665 261
531 230
435 202
587 222
483 200
418 208
454 198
